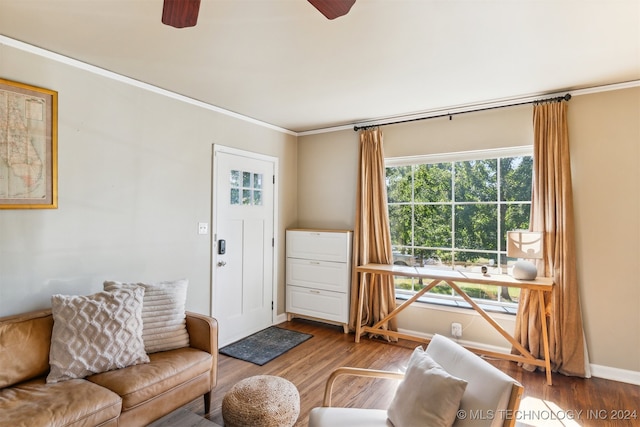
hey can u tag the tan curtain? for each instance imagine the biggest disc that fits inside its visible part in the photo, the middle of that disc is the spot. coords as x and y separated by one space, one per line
372 235
552 213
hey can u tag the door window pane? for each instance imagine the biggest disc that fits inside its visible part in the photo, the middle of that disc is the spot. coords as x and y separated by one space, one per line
235 196
235 178
246 197
245 188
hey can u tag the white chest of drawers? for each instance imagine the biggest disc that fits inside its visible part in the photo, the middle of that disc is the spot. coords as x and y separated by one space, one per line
318 275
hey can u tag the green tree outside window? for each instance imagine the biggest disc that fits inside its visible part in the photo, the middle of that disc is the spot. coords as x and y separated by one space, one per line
456 214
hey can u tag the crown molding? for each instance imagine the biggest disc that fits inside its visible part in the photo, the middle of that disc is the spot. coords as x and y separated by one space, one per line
132 82
381 121
469 108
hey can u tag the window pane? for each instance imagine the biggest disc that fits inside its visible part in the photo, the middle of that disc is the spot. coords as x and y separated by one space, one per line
234 179
402 256
476 227
400 221
434 258
476 180
433 182
398 184
473 261
510 295
257 197
257 180
404 283
487 292
235 196
513 217
441 289
433 226
515 178
246 197
246 179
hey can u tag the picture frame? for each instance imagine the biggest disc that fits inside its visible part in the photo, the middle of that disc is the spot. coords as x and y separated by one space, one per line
28 146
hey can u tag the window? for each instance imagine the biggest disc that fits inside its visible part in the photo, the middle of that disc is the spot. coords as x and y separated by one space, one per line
246 188
453 212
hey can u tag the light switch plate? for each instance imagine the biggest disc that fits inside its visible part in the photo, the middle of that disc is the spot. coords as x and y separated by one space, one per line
203 228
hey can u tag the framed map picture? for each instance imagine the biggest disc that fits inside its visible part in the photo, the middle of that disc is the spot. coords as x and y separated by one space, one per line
28 147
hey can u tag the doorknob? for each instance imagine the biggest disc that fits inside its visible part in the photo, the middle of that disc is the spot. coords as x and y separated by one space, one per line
221 263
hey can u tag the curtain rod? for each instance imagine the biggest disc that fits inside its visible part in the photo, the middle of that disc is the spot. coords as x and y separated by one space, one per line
566 97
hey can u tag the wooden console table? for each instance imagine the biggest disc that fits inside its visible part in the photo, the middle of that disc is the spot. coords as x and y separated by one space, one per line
452 277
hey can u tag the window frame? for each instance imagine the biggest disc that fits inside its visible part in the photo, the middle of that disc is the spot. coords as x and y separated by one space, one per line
473 155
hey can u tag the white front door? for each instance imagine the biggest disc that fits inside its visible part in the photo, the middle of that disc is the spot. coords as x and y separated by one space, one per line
243 251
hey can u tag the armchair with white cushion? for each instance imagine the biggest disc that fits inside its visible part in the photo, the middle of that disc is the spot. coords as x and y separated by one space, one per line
446 385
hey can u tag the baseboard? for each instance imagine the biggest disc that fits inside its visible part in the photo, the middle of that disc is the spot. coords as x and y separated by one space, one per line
464 343
280 318
615 374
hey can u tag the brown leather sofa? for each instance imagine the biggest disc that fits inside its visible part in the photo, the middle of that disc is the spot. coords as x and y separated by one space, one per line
132 396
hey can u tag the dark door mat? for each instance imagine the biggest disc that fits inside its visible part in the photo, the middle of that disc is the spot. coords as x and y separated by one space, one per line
266 345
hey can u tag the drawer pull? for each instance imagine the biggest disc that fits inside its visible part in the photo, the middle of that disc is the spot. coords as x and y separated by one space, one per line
314 262
313 291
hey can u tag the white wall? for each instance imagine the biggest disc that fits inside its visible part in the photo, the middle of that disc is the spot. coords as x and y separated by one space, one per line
327 172
604 133
134 181
604 130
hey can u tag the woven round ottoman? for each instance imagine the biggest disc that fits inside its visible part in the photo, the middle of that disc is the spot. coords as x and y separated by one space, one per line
261 401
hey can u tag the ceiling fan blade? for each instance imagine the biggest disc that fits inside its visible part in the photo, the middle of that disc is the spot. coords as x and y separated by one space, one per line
333 8
180 13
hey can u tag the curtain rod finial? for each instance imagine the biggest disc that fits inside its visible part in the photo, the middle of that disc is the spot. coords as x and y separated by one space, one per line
567 97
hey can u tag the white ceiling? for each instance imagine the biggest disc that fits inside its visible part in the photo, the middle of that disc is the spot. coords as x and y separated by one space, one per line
283 63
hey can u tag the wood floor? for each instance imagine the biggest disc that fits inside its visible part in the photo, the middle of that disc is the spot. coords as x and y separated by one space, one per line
568 402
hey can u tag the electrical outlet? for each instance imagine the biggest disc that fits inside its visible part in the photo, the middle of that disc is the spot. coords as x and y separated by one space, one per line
456 329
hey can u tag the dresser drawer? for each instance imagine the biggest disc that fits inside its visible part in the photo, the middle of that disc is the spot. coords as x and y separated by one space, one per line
330 276
319 245
320 304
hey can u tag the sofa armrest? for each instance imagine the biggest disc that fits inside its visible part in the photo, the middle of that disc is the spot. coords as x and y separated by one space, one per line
360 372
203 335
203 332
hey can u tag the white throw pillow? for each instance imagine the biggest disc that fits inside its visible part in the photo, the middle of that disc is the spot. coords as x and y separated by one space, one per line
95 333
427 396
163 313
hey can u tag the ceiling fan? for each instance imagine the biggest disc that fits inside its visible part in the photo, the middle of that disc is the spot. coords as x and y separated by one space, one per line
184 13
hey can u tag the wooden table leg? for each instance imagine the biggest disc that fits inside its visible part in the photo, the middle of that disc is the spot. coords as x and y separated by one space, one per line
360 307
545 337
